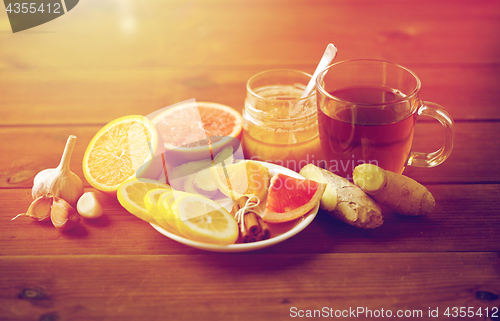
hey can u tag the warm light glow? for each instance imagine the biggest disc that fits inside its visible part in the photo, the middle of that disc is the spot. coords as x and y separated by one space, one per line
127 20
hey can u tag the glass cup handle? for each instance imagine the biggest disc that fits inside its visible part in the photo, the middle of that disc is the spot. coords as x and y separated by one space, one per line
435 158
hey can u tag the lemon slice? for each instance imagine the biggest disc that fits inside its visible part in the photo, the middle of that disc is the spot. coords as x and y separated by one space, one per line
167 215
151 199
131 196
151 203
203 220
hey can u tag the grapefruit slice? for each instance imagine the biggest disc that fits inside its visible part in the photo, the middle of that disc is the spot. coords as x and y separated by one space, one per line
289 198
198 130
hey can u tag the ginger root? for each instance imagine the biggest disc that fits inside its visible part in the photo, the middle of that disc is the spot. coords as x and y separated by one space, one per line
351 205
395 191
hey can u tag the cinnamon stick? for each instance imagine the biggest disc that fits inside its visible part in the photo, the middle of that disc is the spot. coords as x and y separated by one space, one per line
265 232
250 219
242 201
252 224
253 228
234 209
244 233
246 237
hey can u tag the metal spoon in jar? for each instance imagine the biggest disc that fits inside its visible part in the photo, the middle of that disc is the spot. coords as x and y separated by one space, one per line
328 56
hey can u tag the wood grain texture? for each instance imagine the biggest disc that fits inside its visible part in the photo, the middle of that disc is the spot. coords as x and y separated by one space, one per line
97 95
206 32
27 150
241 287
461 222
106 59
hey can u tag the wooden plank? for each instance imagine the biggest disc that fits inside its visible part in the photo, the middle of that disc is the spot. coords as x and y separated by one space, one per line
465 219
244 287
225 32
31 149
466 92
96 96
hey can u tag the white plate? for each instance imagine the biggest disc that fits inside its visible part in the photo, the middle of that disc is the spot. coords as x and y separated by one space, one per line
279 231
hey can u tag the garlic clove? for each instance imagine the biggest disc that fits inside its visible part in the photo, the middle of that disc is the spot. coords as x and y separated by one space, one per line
63 215
59 181
39 209
88 206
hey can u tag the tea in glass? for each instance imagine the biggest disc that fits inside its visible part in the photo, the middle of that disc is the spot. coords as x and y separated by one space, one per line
367 111
371 134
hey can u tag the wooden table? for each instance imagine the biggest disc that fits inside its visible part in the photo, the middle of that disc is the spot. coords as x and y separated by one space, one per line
106 59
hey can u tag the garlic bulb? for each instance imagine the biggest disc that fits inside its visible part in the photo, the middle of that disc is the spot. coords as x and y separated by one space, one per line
60 181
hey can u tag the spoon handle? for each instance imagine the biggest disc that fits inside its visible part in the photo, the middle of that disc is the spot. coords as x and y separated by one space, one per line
328 56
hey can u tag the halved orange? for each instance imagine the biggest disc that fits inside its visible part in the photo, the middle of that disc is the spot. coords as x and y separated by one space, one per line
198 130
289 198
245 178
122 149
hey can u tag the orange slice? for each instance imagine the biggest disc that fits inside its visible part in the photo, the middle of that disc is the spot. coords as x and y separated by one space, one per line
289 198
122 149
245 178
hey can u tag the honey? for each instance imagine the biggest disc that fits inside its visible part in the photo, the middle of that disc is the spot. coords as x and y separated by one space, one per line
279 126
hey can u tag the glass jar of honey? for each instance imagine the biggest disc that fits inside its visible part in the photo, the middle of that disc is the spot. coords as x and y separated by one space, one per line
280 126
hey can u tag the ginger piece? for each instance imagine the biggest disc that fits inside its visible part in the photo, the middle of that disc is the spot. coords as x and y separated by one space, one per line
329 198
395 191
352 205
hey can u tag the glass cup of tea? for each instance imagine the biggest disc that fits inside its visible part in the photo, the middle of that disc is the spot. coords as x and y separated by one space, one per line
367 111
279 125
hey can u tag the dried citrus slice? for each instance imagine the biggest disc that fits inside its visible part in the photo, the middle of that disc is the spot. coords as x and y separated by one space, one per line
120 150
131 196
203 220
289 198
245 178
198 130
